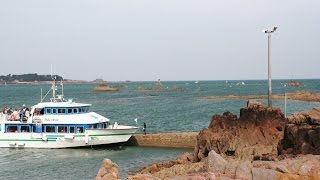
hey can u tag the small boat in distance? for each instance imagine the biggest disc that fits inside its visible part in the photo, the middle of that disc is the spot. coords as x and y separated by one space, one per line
60 124
294 83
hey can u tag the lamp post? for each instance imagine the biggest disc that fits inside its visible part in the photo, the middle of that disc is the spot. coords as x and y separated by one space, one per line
273 29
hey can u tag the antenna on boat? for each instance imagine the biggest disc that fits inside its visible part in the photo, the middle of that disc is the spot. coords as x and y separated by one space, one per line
55 97
61 84
51 71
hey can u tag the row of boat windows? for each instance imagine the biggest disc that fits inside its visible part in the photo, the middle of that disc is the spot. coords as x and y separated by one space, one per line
53 128
74 110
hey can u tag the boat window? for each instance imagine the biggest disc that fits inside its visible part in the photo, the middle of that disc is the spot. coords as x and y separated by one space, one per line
80 109
34 128
54 111
102 125
25 129
71 129
51 129
75 110
69 111
12 129
84 109
61 111
62 129
48 111
80 129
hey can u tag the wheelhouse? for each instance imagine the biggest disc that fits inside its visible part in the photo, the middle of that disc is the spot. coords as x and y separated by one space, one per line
66 110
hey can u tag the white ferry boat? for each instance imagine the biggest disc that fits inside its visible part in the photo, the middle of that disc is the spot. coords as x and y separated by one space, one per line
61 124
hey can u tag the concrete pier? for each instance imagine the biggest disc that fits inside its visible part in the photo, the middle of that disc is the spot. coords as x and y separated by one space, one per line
175 140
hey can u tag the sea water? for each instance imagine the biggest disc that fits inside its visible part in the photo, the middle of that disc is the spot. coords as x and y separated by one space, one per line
179 106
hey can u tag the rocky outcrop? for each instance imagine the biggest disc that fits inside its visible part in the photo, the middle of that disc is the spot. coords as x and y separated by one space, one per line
302 133
108 171
256 132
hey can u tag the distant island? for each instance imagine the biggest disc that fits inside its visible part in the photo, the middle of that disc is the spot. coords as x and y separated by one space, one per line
33 78
104 88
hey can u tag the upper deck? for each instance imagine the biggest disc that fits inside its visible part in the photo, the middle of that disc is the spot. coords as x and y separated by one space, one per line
64 104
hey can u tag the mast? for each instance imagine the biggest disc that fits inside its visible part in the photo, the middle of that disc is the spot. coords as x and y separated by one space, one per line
54 88
55 97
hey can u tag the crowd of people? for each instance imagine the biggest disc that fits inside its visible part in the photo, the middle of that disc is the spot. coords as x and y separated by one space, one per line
15 114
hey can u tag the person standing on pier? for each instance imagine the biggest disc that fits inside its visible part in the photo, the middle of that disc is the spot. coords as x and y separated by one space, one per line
144 128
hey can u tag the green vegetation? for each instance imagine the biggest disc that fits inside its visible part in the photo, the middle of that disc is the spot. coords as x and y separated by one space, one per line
28 78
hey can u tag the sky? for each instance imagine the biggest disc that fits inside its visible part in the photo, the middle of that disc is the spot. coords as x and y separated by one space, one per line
146 40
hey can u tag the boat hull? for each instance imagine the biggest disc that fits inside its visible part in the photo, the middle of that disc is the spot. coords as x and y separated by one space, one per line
59 140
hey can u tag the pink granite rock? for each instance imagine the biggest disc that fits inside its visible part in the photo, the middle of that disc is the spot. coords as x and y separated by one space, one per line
108 171
258 126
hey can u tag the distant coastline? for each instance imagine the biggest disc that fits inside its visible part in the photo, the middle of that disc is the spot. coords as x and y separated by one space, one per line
34 78
65 81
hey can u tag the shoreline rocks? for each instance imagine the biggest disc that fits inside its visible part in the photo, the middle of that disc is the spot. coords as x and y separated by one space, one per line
216 167
258 145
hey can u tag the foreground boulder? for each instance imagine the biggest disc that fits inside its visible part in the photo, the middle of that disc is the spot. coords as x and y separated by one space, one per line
299 167
256 132
108 171
180 168
302 133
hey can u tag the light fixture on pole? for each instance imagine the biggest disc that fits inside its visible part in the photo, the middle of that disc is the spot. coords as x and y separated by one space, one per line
273 29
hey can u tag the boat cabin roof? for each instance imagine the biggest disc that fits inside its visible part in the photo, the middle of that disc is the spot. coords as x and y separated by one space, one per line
60 104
